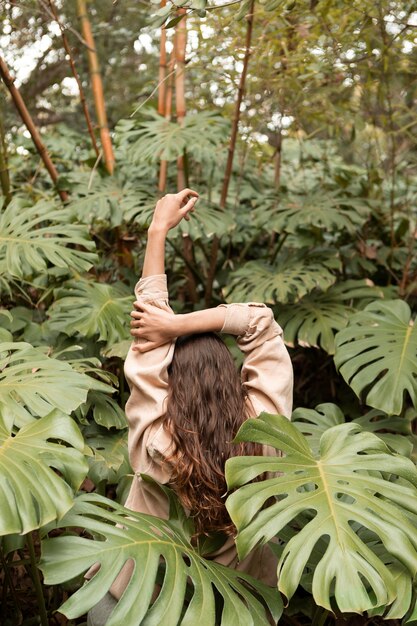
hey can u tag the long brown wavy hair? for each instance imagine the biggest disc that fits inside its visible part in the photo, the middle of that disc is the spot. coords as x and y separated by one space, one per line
206 406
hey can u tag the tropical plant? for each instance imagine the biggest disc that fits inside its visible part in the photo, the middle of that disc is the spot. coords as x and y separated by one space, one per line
35 237
377 355
162 553
32 493
328 498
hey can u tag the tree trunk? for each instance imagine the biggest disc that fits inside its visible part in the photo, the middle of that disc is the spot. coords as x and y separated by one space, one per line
97 86
76 76
27 120
231 150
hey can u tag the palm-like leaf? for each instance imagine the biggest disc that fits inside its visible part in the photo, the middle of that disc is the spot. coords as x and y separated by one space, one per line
287 281
333 491
158 138
93 309
33 237
32 384
377 355
32 494
396 432
110 461
111 201
146 540
329 211
208 220
320 315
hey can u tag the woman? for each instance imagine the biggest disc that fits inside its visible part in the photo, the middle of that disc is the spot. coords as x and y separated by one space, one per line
187 400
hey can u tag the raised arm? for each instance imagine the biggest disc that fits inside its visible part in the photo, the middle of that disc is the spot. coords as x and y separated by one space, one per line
146 373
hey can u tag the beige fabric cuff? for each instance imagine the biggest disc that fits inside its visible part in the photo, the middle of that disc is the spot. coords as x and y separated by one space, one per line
237 318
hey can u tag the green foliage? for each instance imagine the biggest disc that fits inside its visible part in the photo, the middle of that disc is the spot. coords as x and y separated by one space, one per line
333 492
92 309
377 355
110 461
147 541
320 315
110 201
396 432
33 384
327 211
31 492
158 138
288 280
33 238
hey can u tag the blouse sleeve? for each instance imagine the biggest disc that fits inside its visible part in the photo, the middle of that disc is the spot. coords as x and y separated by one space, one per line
267 371
147 376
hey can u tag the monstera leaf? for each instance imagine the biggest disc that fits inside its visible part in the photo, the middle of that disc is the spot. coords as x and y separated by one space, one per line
328 211
377 355
319 315
286 281
92 309
396 432
187 594
208 220
32 384
31 492
157 138
110 460
110 200
33 237
353 480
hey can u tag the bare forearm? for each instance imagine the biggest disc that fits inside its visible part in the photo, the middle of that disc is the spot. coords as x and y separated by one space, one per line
208 320
154 262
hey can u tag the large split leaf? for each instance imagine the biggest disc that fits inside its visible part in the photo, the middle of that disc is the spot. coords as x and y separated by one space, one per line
33 237
377 355
353 480
396 432
320 315
187 591
93 309
286 281
158 138
328 210
31 492
111 201
32 384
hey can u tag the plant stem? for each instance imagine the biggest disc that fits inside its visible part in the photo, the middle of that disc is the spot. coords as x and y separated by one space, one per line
37 580
28 121
76 76
231 150
8 583
97 86
4 167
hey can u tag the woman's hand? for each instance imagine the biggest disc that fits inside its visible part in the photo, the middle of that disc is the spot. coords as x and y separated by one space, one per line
154 326
172 208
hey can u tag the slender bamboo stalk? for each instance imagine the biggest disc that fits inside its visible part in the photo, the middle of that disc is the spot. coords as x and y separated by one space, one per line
27 120
180 45
162 68
97 86
180 104
163 169
231 149
37 581
4 166
76 76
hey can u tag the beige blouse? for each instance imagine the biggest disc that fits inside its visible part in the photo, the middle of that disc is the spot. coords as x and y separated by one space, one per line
266 374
